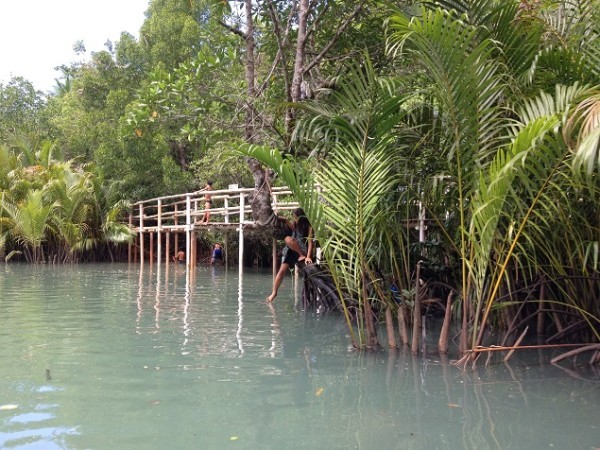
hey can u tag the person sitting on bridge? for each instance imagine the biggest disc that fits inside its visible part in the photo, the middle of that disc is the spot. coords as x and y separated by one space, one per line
299 243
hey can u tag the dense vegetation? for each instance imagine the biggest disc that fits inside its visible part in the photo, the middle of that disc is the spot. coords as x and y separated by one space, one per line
484 114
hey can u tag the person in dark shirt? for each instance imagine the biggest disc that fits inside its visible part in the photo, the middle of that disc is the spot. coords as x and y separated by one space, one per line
299 244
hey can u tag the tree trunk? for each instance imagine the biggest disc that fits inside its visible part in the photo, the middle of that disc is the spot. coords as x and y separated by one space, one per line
260 202
443 340
250 73
262 211
300 50
372 341
402 330
389 326
417 313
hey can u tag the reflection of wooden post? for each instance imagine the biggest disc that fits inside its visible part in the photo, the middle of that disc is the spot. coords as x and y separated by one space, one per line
135 249
141 233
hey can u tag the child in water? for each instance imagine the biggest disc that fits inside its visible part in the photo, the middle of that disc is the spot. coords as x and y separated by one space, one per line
217 254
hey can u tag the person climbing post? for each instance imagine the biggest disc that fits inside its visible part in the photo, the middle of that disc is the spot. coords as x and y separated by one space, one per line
207 202
297 236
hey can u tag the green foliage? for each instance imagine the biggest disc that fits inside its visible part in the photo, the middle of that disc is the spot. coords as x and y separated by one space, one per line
29 221
171 34
21 108
346 197
54 210
509 178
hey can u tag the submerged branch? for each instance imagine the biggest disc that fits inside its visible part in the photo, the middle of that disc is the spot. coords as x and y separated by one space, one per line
575 352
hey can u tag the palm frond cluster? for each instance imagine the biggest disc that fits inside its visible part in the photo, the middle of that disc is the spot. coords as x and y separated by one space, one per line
495 133
53 210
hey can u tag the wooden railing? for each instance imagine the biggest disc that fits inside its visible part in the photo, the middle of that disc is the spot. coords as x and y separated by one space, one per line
180 213
229 208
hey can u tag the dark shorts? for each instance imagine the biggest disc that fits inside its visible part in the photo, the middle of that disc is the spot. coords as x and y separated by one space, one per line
289 257
180 261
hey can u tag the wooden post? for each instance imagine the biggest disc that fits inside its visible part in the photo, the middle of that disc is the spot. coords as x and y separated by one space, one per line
226 249
194 255
167 249
188 230
141 233
274 250
151 247
422 226
176 247
159 233
241 233
129 245
226 207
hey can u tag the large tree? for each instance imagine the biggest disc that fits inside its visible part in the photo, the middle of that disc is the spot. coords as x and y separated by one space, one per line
21 110
286 49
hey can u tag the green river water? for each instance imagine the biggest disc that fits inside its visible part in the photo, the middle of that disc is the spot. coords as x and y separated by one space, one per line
115 356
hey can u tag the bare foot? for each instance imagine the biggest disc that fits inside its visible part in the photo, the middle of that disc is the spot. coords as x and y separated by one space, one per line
271 297
301 258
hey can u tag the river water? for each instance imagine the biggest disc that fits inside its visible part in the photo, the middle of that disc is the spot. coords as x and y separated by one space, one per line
119 357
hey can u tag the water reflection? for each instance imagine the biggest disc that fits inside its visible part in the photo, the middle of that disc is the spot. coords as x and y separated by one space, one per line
240 312
193 360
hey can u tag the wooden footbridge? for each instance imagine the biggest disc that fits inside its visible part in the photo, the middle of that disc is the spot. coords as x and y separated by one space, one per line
156 219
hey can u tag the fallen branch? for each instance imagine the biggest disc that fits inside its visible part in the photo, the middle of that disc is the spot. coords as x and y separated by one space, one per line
499 348
516 346
577 351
